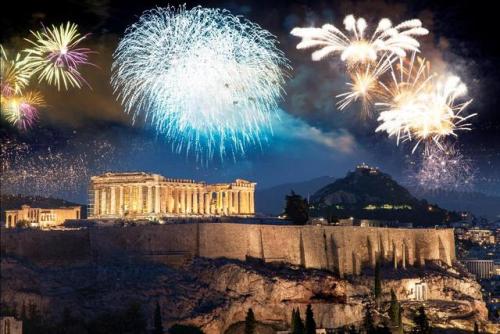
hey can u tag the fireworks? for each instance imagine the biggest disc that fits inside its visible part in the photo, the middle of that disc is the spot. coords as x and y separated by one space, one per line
50 171
357 48
14 72
365 85
55 57
207 80
422 105
22 110
443 168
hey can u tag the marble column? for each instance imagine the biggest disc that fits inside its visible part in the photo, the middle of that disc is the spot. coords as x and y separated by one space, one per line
139 200
103 201
195 202
157 199
230 202
251 195
189 200
208 197
169 199
112 199
175 200
120 202
226 202
97 203
149 203
183 200
201 202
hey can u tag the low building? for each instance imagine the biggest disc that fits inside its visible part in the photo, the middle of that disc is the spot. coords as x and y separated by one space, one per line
10 325
40 217
481 268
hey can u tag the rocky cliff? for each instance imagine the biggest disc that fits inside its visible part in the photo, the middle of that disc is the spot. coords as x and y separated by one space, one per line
215 294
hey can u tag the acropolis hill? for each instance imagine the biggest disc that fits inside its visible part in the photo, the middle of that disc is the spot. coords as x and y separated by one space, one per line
209 271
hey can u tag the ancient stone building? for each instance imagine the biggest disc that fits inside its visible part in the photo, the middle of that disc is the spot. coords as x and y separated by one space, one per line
148 196
42 218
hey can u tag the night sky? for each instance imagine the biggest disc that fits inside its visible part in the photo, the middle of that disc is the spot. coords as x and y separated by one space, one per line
88 127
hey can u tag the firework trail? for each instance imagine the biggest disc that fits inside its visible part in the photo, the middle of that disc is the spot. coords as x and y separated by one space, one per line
422 105
355 47
55 57
443 168
206 80
22 110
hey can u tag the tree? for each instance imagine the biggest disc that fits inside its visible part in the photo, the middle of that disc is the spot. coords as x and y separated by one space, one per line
353 330
134 320
158 325
310 326
368 320
377 289
421 323
296 209
476 328
297 324
184 329
395 312
250 322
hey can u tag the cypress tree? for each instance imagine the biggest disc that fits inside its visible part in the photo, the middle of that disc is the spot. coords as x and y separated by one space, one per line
297 324
158 326
368 320
250 322
310 327
394 310
421 323
377 289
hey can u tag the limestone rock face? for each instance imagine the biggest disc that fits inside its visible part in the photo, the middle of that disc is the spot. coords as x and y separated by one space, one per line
216 294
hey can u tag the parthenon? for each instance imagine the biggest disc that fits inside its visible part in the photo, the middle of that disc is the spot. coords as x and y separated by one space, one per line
140 195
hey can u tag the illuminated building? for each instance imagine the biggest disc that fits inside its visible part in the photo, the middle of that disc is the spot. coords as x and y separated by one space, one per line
39 217
140 195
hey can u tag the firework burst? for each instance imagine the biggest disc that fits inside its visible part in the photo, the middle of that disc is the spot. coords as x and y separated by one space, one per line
14 74
443 167
22 110
365 85
422 105
207 80
55 57
355 47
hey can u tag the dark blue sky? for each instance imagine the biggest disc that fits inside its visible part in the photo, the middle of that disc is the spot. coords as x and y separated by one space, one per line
87 131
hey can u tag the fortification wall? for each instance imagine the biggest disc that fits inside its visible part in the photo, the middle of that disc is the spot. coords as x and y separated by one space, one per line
345 250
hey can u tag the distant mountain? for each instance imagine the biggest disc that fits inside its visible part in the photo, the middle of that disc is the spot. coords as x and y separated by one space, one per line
477 203
272 200
10 202
370 194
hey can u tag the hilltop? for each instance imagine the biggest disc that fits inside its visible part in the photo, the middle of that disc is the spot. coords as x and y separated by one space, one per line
371 194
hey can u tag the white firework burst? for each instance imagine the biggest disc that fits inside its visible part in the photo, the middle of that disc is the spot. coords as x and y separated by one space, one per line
207 80
355 47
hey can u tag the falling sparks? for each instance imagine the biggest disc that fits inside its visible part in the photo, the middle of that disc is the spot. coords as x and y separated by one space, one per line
206 80
443 168
48 171
355 47
55 57
423 106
